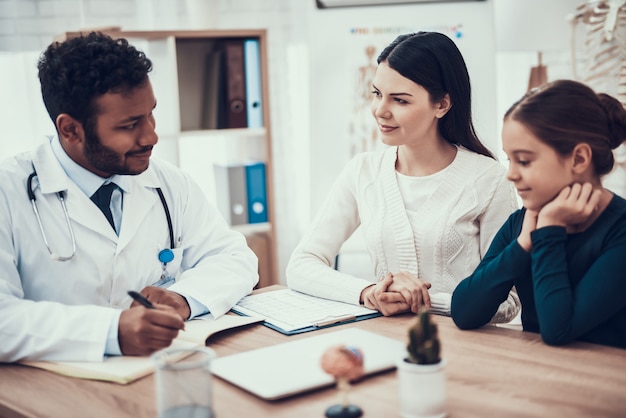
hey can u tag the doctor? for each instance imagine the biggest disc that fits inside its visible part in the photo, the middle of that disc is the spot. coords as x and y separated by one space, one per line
66 265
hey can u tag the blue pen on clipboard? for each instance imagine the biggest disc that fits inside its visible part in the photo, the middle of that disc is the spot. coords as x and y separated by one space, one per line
141 299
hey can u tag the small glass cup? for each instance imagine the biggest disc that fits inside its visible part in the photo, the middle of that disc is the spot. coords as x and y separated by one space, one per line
183 382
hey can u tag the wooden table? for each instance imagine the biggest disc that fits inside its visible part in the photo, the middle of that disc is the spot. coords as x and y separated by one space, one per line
491 372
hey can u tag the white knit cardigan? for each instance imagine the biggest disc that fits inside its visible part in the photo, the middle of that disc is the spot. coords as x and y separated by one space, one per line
463 214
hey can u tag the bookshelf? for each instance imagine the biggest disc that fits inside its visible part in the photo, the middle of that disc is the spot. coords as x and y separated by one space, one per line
199 113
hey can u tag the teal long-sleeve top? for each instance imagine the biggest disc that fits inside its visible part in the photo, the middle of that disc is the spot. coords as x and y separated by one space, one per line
571 286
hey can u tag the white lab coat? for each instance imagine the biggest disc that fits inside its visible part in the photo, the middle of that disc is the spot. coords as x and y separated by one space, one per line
55 310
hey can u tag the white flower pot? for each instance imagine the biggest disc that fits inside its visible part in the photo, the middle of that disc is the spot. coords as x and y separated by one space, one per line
422 389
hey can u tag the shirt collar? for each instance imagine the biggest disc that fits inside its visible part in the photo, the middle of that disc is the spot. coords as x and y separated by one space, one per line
86 181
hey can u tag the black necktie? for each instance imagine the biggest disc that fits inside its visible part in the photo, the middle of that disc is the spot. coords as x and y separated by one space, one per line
102 199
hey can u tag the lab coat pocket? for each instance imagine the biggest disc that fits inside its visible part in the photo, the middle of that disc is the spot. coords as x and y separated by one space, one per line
169 271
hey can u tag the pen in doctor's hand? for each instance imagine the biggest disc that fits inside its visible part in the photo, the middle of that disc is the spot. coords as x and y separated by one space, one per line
141 299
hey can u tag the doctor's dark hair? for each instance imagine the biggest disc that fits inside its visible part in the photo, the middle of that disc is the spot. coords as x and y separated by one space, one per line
77 71
433 61
565 113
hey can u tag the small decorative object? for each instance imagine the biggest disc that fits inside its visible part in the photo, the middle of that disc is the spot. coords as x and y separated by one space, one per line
422 382
345 364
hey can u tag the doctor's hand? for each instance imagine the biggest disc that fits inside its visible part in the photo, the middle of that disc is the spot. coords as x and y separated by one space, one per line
378 296
166 297
142 331
413 290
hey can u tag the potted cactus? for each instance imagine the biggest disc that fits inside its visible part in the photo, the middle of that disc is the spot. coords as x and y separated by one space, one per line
421 378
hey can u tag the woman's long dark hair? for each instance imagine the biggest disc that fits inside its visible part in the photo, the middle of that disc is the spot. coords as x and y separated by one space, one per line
433 61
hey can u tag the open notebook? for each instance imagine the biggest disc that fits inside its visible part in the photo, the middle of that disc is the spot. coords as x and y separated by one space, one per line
125 369
291 312
293 367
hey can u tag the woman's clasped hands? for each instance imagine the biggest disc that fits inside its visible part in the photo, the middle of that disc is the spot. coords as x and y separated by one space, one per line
396 293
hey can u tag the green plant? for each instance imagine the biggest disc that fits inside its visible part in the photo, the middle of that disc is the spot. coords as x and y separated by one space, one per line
423 346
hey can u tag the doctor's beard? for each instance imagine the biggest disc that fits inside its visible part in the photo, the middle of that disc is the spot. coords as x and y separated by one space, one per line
106 159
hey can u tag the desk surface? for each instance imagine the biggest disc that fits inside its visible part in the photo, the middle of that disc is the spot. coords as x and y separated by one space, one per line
491 372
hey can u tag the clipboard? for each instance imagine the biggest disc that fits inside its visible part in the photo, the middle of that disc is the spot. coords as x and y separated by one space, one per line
290 312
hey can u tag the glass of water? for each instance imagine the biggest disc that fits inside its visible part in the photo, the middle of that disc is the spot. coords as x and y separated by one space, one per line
183 382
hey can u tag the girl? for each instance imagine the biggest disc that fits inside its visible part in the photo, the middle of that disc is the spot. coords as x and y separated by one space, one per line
429 205
565 251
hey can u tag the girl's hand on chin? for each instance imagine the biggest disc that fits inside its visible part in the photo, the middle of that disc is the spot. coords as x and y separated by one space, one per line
574 205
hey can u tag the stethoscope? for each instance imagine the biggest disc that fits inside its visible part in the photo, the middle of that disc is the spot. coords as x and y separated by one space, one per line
165 255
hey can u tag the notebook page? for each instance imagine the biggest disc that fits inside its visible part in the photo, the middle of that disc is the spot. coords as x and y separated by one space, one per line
291 310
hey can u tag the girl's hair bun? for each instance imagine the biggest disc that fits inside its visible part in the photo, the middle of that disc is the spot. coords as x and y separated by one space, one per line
616 118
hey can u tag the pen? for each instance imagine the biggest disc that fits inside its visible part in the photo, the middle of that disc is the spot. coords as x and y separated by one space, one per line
335 321
141 299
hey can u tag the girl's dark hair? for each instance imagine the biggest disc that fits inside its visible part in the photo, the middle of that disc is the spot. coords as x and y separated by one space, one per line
565 113
77 71
433 61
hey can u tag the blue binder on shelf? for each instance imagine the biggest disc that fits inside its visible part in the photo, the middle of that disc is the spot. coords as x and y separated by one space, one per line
256 192
252 64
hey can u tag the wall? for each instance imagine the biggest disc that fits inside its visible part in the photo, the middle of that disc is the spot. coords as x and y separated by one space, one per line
523 28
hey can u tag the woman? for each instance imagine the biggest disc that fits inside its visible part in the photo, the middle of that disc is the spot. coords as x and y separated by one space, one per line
429 205
565 250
